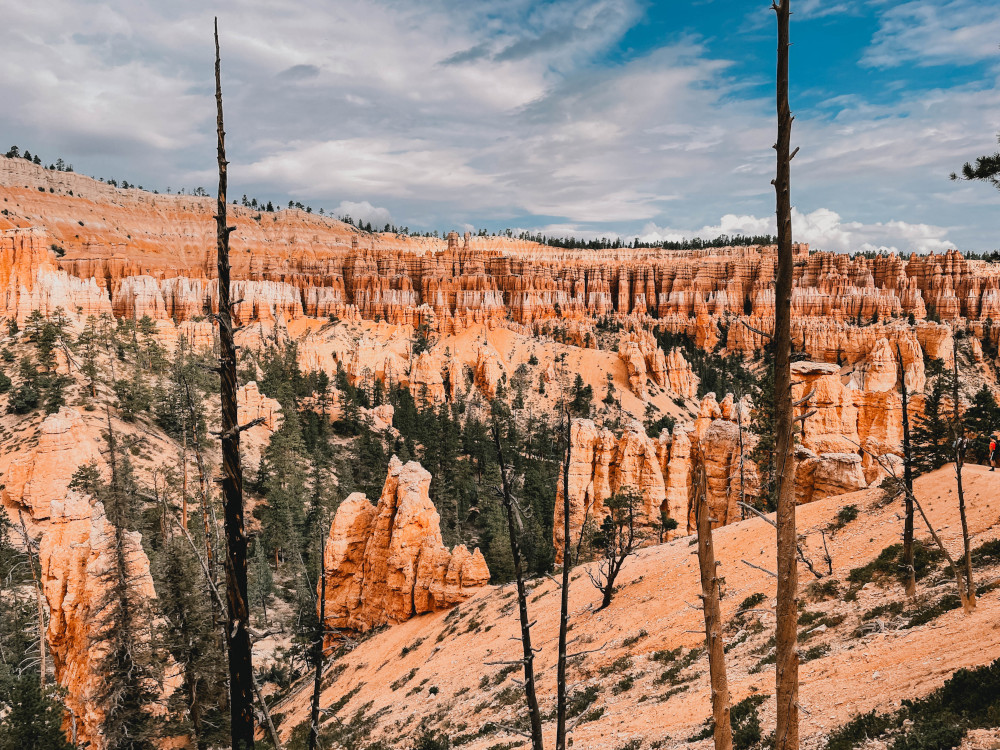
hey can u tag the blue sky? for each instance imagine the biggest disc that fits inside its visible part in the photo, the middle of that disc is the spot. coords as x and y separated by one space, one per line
585 117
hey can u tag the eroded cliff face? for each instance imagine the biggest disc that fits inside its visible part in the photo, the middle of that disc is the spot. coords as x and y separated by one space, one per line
387 563
76 547
660 470
848 442
87 244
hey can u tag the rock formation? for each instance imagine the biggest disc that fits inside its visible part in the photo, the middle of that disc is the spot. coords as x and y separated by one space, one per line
387 563
660 470
75 547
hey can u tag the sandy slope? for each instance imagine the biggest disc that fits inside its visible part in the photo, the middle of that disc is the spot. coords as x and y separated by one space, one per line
859 673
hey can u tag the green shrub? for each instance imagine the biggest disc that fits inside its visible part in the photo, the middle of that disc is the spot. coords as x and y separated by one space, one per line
819 591
970 699
815 652
844 516
754 600
623 685
883 610
987 553
632 640
744 721
934 610
889 564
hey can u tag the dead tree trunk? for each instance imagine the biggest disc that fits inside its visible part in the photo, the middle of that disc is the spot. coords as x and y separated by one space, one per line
911 575
241 678
561 691
710 594
318 656
528 659
959 444
787 663
956 571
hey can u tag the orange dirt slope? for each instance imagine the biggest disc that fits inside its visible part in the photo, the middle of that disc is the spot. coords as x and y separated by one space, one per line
656 608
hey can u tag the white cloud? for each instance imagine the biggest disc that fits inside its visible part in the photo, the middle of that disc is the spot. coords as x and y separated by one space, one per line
929 32
364 212
479 113
823 229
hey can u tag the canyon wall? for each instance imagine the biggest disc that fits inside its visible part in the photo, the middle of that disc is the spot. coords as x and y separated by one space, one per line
76 547
149 254
864 324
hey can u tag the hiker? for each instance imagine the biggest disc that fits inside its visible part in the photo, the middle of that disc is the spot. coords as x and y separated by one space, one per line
993 453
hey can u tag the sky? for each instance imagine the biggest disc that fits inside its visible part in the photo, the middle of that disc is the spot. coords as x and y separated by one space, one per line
571 117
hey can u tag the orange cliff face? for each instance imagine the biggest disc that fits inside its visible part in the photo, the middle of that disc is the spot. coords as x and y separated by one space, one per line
154 255
76 548
69 241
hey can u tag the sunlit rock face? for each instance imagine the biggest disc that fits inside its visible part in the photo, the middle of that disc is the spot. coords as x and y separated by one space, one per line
76 547
386 563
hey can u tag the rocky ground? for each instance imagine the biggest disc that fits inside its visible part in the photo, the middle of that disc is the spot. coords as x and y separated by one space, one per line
864 646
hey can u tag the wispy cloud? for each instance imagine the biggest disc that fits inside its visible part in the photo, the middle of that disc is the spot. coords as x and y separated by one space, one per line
487 114
823 229
931 32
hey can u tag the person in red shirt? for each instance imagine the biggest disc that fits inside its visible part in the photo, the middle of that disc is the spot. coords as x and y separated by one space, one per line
993 453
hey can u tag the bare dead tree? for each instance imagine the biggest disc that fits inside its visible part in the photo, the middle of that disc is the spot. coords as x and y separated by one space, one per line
710 594
528 659
787 661
911 573
959 444
318 659
900 487
561 691
241 677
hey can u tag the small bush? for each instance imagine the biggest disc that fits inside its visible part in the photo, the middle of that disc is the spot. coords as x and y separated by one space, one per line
892 609
820 591
815 652
844 516
754 600
632 640
623 685
969 700
934 610
889 564
619 665
744 721
403 680
987 553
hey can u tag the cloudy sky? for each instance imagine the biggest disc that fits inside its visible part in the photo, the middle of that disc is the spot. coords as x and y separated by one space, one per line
585 117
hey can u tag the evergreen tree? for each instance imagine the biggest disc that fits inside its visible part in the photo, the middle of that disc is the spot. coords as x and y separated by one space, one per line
86 345
260 579
283 483
982 421
762 423
134 395
582 396
26 397
932 431
189 634
985 169
125 659
33 717
30 716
